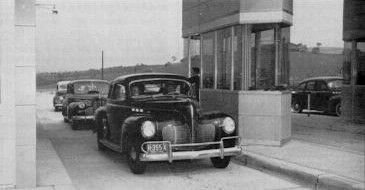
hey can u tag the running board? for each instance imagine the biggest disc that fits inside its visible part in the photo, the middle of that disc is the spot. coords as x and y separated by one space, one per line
110 145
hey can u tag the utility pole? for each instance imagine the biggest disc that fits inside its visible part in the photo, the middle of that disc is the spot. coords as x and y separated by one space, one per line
102 65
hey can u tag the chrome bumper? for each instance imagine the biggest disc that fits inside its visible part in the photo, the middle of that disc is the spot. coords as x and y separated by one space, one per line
184 155
57 105
83 117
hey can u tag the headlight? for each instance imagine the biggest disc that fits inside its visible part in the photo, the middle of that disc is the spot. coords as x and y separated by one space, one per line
60 98
148 129
228 125
82 105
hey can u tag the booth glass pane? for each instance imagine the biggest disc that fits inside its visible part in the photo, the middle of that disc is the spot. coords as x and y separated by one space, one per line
265 66
224 66
360 56
347 63
237 53
208 60
284 54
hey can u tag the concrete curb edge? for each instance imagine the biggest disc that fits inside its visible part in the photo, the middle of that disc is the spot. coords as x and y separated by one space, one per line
316 178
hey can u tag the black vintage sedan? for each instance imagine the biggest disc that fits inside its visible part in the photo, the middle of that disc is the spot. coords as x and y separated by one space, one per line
319 93
155 117
82 98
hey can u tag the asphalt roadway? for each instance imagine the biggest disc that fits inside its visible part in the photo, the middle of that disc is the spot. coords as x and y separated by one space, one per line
89 168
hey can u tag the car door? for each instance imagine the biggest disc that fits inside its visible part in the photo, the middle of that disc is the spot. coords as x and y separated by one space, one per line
117 109
310 92
323 95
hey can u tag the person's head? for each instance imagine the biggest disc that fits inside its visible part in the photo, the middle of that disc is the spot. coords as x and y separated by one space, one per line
196 71
135 91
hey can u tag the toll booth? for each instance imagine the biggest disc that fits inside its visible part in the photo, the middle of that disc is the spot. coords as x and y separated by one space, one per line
353 91
241 48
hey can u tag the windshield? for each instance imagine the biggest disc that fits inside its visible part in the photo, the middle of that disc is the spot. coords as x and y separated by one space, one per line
335 84
62 87
87 87
153 88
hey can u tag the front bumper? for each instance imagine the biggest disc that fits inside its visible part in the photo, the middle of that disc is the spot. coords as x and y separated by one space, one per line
83 117
57 105
184 155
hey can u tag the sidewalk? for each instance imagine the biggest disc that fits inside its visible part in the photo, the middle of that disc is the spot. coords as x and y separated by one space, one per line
51 174
317 154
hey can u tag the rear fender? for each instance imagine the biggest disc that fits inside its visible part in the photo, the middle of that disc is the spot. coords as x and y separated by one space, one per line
98 113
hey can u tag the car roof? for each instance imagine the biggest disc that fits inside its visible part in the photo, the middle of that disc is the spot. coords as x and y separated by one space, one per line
326 78
63 82
88 80
138 76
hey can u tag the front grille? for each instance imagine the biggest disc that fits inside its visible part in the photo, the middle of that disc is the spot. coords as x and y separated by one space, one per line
176 134
89 111
205 133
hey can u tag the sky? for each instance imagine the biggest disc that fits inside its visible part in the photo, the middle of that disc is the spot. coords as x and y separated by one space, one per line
145 31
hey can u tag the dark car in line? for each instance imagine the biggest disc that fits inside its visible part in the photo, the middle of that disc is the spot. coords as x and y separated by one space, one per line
155 117
319 93
82 98
59 96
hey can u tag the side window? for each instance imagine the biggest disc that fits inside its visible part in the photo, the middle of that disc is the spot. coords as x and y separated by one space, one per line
301 86
321 86
310 86
118 92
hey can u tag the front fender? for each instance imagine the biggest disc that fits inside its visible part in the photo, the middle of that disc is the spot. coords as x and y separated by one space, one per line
131 127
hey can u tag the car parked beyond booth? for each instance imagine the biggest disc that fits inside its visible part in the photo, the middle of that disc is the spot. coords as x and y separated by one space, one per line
319 93
155 117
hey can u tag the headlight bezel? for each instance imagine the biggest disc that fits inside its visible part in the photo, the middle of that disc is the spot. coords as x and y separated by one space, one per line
228 125
149 127
81 105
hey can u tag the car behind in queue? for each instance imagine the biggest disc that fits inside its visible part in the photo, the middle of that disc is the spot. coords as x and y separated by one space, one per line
319 93
155 117
59 96
83 97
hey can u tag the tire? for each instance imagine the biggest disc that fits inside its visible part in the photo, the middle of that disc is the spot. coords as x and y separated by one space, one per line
133 156
74 125
297 107
220 163
102 131
338 109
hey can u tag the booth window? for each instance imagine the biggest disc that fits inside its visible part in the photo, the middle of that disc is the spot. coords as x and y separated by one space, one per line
347 63
265 59
224 66
237 52
208 70
360 58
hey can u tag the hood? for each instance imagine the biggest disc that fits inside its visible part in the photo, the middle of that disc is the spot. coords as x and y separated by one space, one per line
165 103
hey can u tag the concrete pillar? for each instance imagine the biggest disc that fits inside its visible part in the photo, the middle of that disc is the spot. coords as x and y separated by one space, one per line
25 72
246 56
7 110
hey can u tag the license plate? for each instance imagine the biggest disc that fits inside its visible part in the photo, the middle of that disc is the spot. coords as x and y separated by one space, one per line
157 147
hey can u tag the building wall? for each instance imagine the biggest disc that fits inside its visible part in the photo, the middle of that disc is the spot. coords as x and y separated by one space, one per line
17 107
353 20
353 104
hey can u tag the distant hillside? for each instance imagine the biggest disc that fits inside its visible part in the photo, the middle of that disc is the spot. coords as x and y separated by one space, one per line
302 65
48 80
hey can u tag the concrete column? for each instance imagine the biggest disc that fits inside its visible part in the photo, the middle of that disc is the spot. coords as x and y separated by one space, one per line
25 72
7 110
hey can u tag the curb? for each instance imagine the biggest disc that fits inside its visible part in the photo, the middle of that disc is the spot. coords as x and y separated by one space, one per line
316 178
